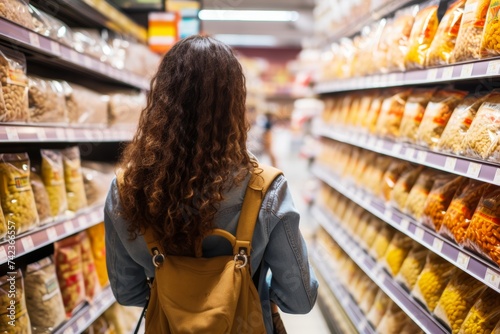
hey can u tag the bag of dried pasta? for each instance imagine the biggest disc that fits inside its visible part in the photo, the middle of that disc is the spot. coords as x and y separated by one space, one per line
432 280
414 110
43 296
14 84
73 179
41 198
392 175
18 201
91 279
369 298
391 114
422 33
380 306
468 44
52 171
403 186
397 252
382 242
96 234
483 233
442 45
490 47
417 197
412 266
3 225
484 315
452 138
436 116
457 218
457 299
373 178
483 136
368 236
393 321
14 318
399 37
434 209
373 113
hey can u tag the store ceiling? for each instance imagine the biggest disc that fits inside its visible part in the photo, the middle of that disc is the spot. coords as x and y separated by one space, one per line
261 34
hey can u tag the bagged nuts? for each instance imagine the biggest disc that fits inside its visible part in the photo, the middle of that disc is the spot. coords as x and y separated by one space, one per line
16 11
14 107
46 101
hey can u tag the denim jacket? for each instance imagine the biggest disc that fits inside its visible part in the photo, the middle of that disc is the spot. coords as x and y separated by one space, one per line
286 277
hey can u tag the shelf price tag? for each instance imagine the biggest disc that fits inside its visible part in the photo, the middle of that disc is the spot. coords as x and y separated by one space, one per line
432 74
466 71
396 148
437 244
27 242
40 133
80 323
497 176
68 227
421 156
409 153
474 169
372 141
51 234
448 73
74 56
3 255
493 67
492 278
55 48
450 163
34 39
70 133
463 260
405 224
12 133
419 233
60 134
388 213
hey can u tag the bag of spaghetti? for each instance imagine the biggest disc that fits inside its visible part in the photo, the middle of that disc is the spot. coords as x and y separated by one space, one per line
457 299
433 280
483 233
391 113
442 45
399 194
413 113
490 45
434 209
457 219
468 44
453 136
412 266
484 315
417 197
392 175
422 34
437 115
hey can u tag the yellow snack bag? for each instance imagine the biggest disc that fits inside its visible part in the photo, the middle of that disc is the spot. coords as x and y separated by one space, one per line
490 44
73 178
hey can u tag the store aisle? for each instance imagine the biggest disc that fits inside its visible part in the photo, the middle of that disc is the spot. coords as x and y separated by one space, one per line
298 176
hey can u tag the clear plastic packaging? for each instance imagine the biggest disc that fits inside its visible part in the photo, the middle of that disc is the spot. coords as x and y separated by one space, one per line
41 198
46 101
96 234
92 287
43 297
373 113
432 280
436 116
17 11
96 185
417 197
58 30
468 44
18 201
86 107
462 207
392 175
380 305
484 315
52 171
382 242
370 233
414 110
372 179
484 132
422 33
125 108
14 83
391 114
21 319
399 36
3 224
457 299
439 199
490 46
73 179
369 298
393 321
452 139
403 186
442 46
380 56
396 253
412 266
483 233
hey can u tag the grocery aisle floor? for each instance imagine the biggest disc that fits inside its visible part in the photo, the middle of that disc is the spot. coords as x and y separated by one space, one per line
298 176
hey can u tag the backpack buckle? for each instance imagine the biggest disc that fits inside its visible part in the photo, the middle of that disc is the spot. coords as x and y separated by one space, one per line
241 256
158 258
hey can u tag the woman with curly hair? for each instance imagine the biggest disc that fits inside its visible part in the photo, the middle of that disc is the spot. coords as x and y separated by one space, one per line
185 173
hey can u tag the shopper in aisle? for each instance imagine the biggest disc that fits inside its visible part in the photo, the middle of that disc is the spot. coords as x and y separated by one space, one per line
186 172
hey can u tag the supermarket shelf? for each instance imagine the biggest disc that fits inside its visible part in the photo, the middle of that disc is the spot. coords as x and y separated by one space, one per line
484 271
11 133
88 314
459 72
378 275
325 269
51 52
48 234
473 169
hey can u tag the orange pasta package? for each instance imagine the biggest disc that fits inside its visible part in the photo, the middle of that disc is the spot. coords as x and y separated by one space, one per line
490 43
468 45
457 218
391 114
413 113
442 46
483 233
92 286
422 33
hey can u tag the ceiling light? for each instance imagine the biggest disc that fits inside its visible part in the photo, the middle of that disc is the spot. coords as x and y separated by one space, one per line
247 40
248 15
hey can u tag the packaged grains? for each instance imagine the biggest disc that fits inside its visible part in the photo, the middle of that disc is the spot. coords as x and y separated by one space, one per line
414 110
53 177
484 315
73 179
14 319
14 83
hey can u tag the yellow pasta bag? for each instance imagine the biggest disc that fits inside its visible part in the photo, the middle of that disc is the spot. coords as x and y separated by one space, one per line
490 44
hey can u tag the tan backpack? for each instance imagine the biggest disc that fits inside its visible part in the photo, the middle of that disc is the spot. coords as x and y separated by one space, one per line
211 295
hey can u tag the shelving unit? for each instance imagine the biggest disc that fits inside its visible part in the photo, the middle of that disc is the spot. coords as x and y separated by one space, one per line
378 275
484 271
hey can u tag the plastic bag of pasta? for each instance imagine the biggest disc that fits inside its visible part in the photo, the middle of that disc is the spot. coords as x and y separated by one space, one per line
392 175
432 280
52 171
439 199
399 36
369 298
393 321
484 315
373 113
468 44
14 84
373 179
368 236
41 198
452 139
483 233
16 11
422 33
397 252
391 114
18 201
403 186
490 47
443 43
417 197
43 297
436 116
73 179
414 110
21 322
3 225
92 287
459 214
380 306
412 266
96 234
457 299
382 242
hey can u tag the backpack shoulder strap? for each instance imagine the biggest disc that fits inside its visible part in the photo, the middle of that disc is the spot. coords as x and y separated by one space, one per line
259 183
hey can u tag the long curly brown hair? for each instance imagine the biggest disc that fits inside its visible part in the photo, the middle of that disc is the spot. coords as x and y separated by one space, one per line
190 146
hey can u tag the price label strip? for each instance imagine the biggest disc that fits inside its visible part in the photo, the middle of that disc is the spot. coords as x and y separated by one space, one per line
421 156
432 74
68 227
466 71
51 234
405 224
437 244
450 163
497 176
492 278
493 67
448 73
34 39
474 169
3 255
419 233
27 243
55 48
463 260
409 153
12 133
